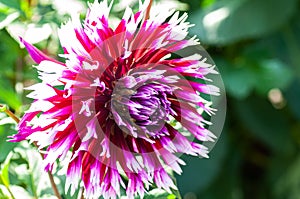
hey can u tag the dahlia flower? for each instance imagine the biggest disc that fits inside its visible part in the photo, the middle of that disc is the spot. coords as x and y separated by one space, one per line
121 102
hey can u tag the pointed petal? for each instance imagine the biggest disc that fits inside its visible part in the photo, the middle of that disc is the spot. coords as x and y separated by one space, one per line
37 55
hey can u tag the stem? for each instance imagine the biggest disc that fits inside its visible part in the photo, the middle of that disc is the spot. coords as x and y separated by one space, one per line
33 187
54 187
176 192
81 194
11 194
4 108
147 13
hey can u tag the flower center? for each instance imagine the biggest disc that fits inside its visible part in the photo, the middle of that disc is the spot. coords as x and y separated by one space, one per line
140 109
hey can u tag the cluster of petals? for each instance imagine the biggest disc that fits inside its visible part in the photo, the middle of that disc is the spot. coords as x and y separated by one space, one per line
117 100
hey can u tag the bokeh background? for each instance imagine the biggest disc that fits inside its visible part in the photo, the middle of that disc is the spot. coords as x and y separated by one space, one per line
255 45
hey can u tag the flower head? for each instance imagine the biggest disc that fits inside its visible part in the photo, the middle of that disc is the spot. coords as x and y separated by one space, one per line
117 100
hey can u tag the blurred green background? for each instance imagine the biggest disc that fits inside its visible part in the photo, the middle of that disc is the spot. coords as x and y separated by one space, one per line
256 46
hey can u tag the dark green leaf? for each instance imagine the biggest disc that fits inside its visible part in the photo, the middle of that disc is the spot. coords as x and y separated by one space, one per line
293 96
287 186
239 82
202 171
5 147
272 74
7 128
228 182
232 20
265 123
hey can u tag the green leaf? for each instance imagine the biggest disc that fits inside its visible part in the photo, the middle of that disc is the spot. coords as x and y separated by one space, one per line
20 192
159 194
239 82
4 175
206 3
6 129
287 186
30 172
272 73
6 19
227 184
9 50
12 4
2 17
202 171
1 194
8 95
4 194
293 96
238 78
231 20
248 73
34 164
266 123
5 147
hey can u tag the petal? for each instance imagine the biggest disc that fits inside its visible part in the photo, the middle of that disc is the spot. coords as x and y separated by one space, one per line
37 55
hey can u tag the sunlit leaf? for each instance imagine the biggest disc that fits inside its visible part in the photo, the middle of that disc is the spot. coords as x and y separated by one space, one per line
8 95
12 3
5 20
30 33
32 173
157 194
4 194
20 192
4 174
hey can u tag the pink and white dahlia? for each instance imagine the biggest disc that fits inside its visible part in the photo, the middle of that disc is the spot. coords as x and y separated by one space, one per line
122 102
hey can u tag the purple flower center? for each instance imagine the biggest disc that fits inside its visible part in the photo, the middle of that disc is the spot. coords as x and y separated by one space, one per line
153 107
141 109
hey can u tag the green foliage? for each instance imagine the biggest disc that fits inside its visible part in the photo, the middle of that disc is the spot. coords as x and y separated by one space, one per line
255 45
230 20
4 179
159 194
6 129
15 4
204 170
245 75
